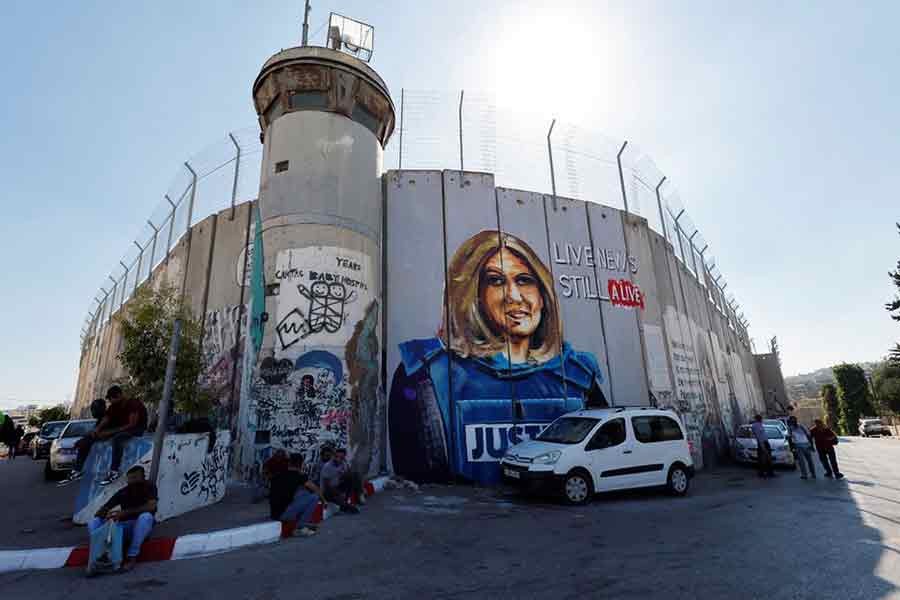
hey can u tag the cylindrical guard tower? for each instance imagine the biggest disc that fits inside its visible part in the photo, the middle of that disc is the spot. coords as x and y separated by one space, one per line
314 379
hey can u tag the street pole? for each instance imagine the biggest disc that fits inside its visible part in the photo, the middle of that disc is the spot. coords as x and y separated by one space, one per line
162 417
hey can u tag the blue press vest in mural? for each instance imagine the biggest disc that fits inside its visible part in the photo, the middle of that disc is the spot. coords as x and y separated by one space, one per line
484 417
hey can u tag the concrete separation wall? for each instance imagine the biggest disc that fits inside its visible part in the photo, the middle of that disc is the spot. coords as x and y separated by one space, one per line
191 474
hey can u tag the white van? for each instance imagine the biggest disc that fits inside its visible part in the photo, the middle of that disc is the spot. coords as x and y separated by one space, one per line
590 451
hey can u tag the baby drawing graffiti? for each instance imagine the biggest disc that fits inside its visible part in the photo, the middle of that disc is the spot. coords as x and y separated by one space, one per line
322 294
495 374
327 302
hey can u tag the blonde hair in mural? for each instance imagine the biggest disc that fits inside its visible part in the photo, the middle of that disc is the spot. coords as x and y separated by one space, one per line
472 334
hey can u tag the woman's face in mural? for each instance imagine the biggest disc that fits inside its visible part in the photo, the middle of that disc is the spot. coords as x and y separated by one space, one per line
511 295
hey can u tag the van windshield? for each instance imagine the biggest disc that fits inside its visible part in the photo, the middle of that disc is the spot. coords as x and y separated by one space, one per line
568 430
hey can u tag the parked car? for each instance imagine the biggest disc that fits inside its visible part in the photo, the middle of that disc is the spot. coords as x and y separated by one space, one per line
590 451
745 447
869 427
62 450
40 447
780 423
25 443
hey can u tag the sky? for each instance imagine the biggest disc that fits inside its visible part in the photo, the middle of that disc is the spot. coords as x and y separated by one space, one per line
778 121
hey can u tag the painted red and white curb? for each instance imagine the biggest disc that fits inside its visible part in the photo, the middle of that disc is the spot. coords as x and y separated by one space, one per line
194 545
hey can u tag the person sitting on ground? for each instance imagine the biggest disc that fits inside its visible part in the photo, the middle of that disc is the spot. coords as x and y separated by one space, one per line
136 504
825 440
124 419
340 483
293 498
326 452
801 443
274 465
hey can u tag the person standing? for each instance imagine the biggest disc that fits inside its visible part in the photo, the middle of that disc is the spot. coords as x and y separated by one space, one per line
825 440
763 449
124 419
801 444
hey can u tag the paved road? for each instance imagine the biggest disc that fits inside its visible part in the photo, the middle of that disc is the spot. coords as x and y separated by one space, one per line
734 537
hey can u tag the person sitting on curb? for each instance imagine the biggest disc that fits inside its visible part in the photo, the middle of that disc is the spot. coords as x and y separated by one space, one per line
326 452
293 498
801 443
826 440
340 484
274 465
137 506
124 419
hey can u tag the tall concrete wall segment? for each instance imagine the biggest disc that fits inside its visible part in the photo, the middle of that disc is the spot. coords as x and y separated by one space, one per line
591 307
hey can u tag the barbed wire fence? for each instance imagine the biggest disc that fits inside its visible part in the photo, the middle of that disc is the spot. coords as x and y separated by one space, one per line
441 130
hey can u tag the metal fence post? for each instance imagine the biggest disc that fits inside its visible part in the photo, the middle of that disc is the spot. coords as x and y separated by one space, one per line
152 247
171 227
621 175
693 259
124 281
402 101
552 172
193 195
237 170
678 234
662 218
140 263
461 167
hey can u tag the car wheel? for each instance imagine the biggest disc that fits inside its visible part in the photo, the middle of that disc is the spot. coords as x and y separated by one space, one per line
578 488
49 475
679 481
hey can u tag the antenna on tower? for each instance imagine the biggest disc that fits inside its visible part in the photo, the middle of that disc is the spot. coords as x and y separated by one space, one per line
304 40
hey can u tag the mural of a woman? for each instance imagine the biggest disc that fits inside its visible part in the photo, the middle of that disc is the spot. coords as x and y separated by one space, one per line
495 374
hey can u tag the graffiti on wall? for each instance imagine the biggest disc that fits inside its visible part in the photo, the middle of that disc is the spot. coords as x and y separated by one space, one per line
323 291
498 362
318 383
224 330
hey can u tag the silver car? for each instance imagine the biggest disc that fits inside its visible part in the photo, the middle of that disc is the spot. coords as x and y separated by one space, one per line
63 451
869 427
745 446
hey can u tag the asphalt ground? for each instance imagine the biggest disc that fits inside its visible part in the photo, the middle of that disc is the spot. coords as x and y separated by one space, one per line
734 536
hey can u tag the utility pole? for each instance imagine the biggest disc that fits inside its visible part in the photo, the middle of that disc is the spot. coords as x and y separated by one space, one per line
162 418
305 39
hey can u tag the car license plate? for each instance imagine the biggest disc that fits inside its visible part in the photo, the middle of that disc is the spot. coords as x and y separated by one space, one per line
511 473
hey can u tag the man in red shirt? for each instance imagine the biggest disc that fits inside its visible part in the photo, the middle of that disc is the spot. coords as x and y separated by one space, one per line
825 440
124 419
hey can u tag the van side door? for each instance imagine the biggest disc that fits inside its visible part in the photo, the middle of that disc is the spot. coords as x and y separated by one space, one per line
610 454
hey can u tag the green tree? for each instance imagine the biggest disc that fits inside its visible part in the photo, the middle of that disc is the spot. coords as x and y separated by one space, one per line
854 399
830 405
886 385
52 413
147 327
893 307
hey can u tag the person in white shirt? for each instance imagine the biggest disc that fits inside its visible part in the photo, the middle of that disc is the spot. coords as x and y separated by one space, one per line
763 449
801 443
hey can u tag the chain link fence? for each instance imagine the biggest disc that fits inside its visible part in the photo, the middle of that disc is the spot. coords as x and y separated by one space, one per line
220 176
440 130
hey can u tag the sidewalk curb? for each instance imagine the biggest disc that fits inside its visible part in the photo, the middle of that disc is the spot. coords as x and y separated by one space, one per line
194 545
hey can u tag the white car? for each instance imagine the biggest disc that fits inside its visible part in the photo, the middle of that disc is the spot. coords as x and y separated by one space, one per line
590 451
62 450
869 427
745 446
